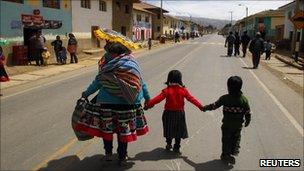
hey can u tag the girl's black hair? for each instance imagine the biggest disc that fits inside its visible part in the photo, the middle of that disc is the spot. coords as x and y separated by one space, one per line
118 48
234 84
175 77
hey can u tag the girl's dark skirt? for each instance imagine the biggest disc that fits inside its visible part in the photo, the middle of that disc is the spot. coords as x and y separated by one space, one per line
174 124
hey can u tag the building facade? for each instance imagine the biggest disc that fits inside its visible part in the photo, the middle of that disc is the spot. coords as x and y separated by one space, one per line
289 12
142 23
20 19
122 20
90 15
265 22
157 27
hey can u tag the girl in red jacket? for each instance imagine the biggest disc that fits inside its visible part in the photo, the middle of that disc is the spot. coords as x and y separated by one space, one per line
174 121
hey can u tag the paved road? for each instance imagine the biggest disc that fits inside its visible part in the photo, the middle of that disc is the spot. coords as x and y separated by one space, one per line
36 131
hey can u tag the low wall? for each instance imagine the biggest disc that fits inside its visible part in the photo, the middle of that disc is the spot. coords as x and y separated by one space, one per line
82 44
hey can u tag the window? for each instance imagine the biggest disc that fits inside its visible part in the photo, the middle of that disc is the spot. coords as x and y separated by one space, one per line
118 5
51 3
102 5
124 30
158 29
138 17
158 16
127 9
16 1
85 4
147 19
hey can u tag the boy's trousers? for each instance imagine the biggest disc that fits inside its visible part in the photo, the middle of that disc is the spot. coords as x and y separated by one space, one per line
231 138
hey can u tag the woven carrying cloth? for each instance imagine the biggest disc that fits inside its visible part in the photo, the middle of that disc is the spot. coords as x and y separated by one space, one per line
121 77
103 120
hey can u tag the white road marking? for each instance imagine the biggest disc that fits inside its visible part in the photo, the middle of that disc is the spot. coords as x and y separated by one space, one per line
277 102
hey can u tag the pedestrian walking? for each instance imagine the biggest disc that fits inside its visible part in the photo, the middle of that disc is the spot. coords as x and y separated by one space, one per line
57 47
45 56
256 47
174 119
176 37
245 39
39 44
230 41
118 103
235 109
237 43
268 47
150 43
3 75
72 48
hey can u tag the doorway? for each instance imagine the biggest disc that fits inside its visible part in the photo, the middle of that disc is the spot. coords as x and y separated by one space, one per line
142 35
93 37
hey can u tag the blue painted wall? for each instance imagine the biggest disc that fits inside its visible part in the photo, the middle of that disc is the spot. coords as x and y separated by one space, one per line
11 14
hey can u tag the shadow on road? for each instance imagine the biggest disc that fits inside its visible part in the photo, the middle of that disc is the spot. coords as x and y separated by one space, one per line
71 163
224 56
154 155
215 164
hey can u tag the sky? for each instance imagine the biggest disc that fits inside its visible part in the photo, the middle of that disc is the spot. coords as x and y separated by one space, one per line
217 9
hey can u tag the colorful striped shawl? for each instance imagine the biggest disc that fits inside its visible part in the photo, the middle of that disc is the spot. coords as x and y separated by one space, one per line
121 77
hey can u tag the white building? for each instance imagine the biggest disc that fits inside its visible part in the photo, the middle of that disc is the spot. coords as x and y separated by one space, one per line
142 23
89 15
289 12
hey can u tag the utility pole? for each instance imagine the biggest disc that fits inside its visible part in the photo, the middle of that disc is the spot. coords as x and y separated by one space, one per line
295 44
246 21
231 17
230 20
161 17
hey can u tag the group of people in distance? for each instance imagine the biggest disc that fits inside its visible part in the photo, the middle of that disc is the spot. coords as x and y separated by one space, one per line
257 46
118 107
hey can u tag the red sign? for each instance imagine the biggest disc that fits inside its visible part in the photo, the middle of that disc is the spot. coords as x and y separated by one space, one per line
32 20
298 20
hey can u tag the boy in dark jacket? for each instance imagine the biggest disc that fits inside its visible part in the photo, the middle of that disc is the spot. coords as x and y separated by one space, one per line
57 47
235 109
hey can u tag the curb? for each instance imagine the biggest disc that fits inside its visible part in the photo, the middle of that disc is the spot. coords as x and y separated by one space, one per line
289 62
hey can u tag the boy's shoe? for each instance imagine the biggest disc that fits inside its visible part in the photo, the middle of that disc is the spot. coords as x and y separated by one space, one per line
227 159
177 151
168 147
236 152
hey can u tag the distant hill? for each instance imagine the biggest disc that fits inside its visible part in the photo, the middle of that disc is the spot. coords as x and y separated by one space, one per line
206 21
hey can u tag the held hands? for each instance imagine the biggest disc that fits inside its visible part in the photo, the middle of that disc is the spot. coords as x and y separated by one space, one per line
202 108
146 107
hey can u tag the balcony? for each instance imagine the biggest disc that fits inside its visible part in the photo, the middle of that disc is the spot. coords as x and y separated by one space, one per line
142 24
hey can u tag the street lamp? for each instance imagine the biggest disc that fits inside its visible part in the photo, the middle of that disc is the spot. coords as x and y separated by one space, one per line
246 15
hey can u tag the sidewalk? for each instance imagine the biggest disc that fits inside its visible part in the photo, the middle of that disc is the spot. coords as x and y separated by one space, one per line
24 74
289 72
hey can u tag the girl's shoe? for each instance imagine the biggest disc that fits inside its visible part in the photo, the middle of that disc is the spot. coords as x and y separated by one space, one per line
177 151
108 157
168 147
123 161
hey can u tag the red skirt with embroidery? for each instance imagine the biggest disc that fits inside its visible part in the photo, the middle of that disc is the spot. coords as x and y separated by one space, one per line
103 120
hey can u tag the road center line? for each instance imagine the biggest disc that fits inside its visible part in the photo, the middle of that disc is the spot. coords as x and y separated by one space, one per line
277 102
57 153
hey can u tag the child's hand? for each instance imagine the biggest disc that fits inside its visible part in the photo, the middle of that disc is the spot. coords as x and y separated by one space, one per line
203 109
247 123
